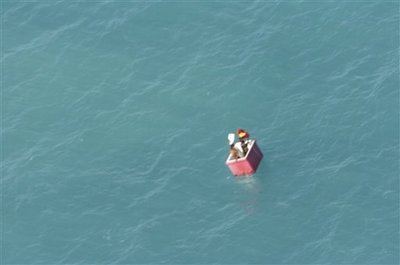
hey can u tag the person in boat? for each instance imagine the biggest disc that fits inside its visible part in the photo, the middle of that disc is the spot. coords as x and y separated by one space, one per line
236 151
243 139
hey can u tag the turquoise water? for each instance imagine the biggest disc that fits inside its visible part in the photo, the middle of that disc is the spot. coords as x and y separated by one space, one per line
114 123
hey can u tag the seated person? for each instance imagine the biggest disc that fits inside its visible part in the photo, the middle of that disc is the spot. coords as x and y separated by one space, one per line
234 152
239 148
244 140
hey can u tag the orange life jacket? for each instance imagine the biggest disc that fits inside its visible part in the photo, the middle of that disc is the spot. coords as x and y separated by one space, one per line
242 134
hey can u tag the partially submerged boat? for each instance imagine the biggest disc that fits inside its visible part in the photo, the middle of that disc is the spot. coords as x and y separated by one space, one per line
247 165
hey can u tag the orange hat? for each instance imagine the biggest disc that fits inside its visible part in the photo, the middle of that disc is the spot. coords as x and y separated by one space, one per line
242 133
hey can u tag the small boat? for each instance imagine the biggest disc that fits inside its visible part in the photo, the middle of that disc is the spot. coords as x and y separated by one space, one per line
247 165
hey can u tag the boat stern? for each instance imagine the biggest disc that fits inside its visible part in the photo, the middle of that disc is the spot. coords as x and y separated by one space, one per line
247 165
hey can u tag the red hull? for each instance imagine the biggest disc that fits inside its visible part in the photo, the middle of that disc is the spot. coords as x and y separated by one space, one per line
247 165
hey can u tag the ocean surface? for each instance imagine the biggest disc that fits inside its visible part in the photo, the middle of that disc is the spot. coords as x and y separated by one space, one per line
115 116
